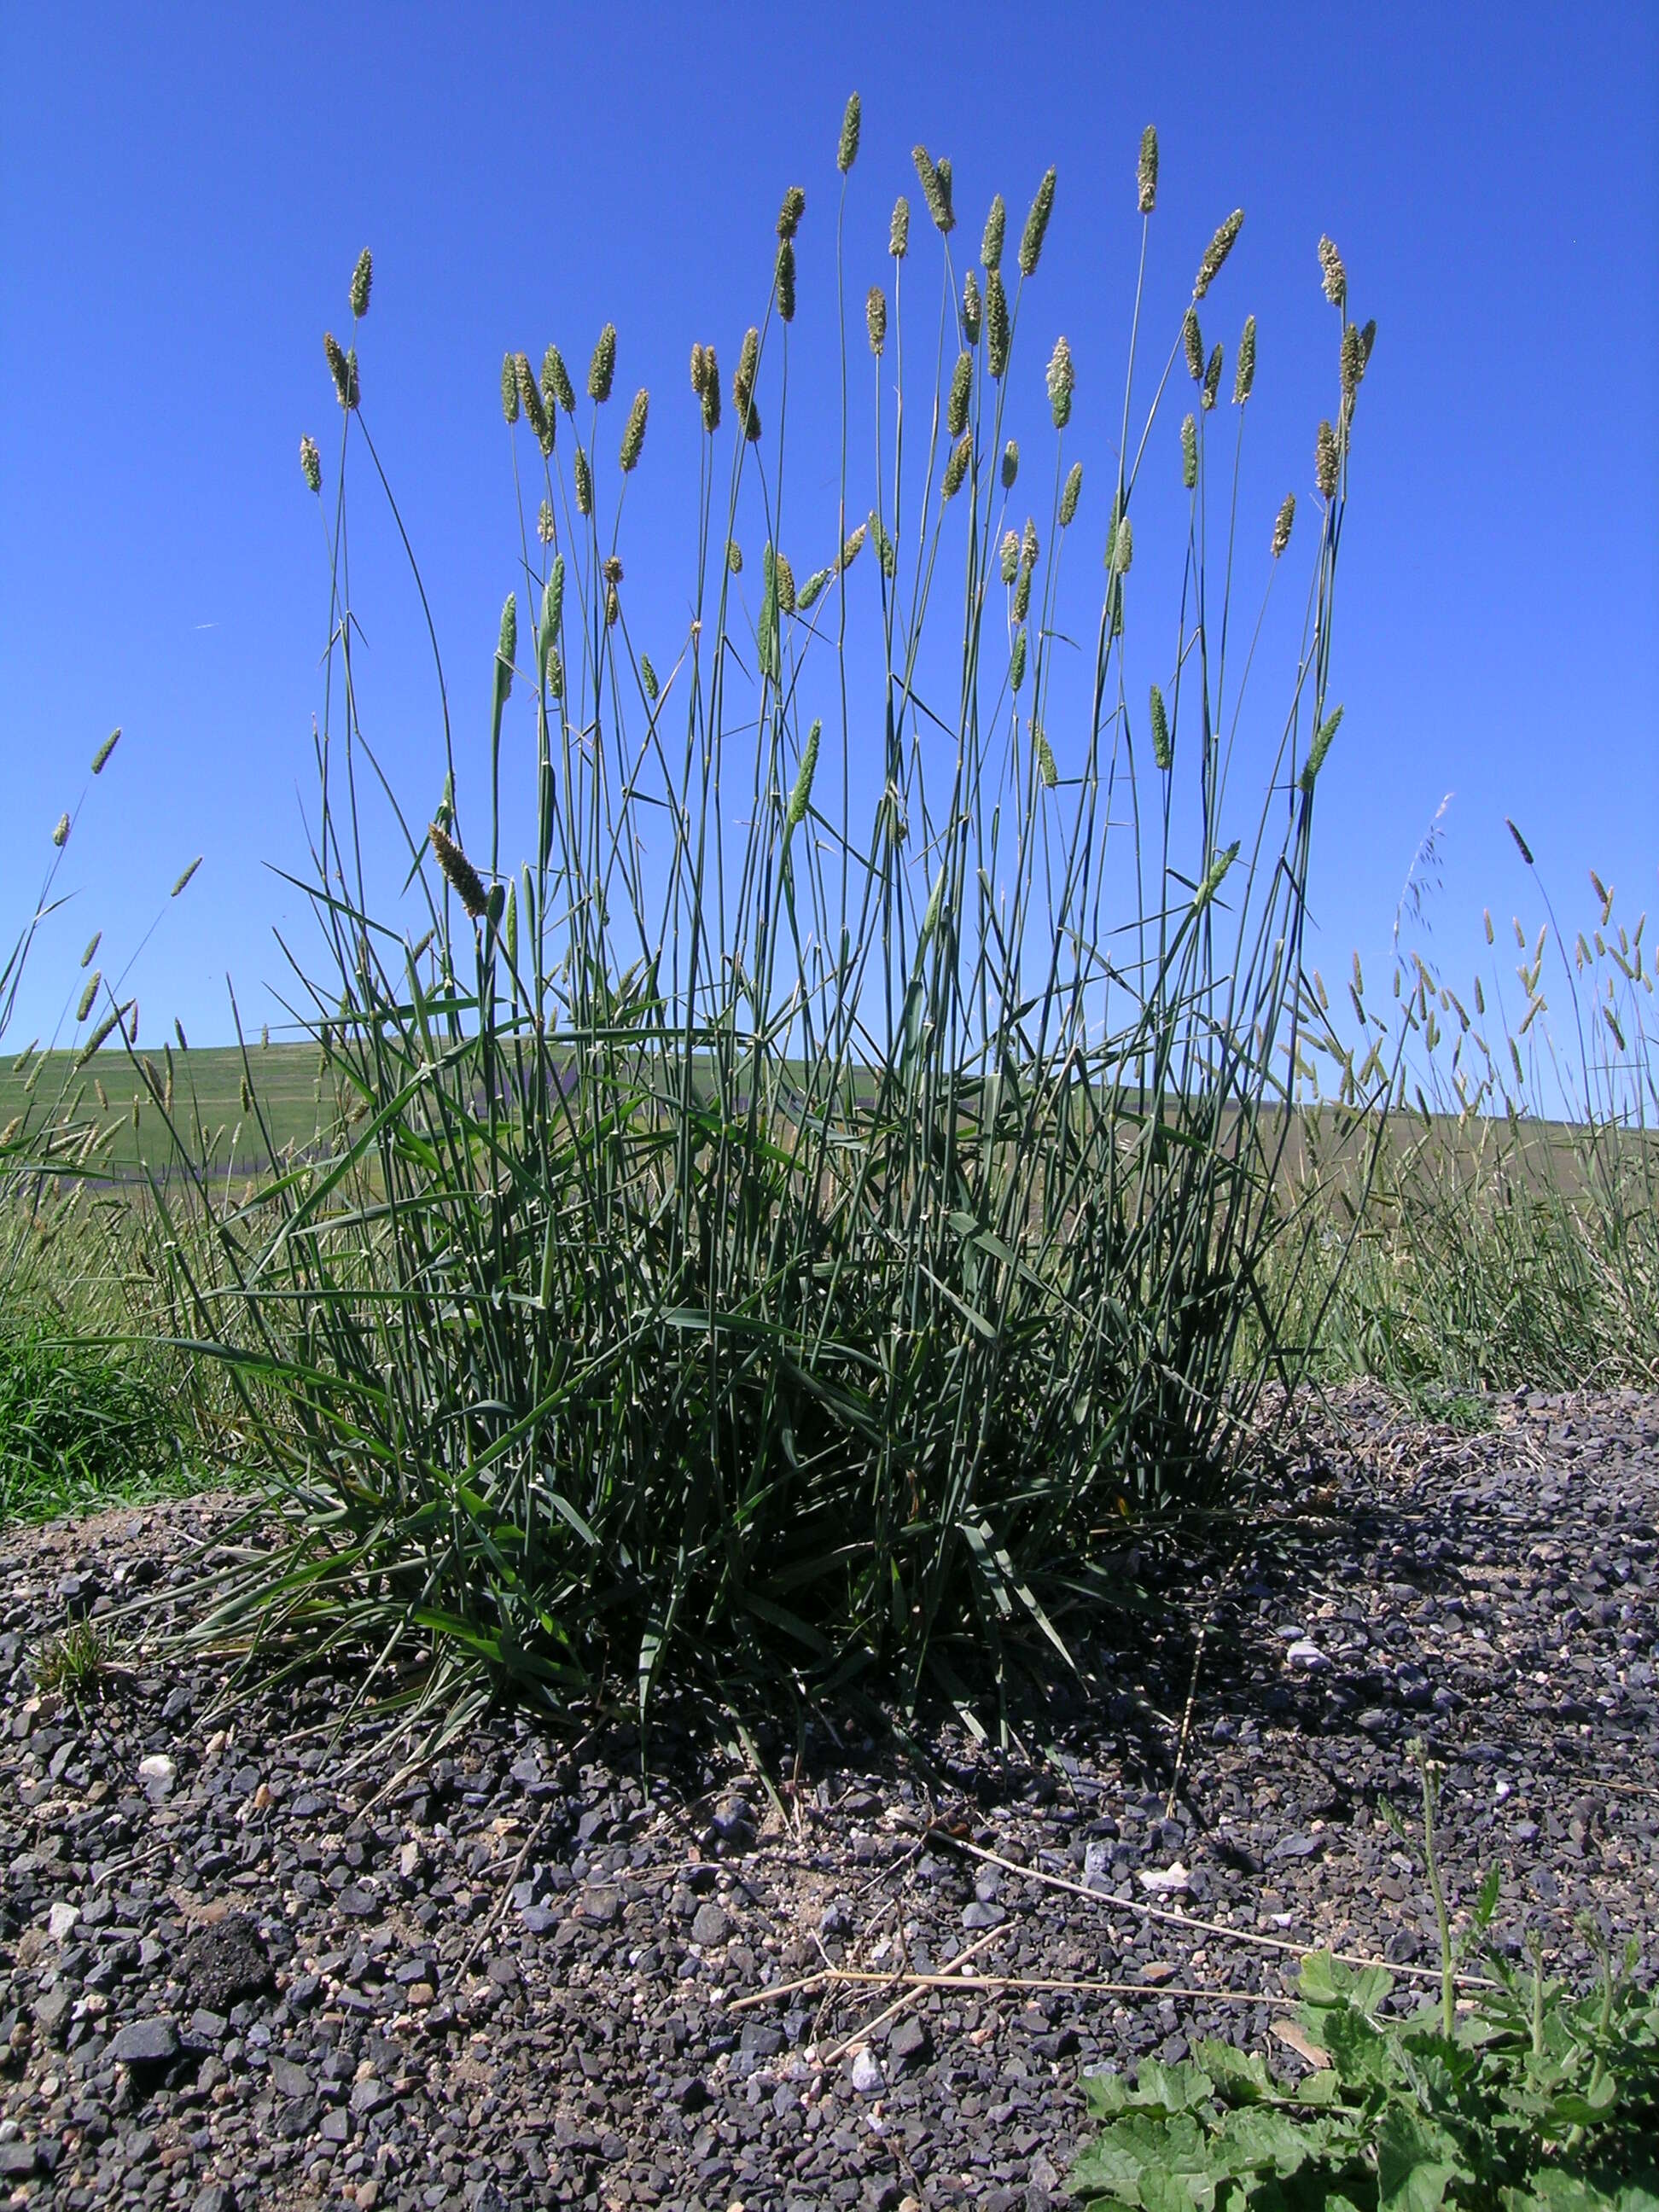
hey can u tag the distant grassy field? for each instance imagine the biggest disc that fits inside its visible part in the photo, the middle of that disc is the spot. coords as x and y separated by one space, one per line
207 1095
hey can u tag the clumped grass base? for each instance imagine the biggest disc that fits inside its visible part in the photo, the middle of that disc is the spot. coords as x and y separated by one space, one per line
81 1425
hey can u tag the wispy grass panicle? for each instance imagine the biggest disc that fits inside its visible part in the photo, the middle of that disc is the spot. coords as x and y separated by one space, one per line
1216 253
602 368
1036 225
1147 172
851 124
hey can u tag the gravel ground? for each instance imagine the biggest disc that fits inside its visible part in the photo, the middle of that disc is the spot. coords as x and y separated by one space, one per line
237 1968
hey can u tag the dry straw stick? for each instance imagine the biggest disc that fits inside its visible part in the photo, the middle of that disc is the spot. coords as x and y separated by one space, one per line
915 1984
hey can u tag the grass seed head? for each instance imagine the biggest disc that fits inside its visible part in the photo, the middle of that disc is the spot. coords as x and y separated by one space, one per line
996 224
634 434
1016 662
854 546
92 944
60 833
875 318
1030 547
785 280
1332 275
648 678
530 399
602 368
1010 549
1244 375
509 389
973 310
1060 381
556 387
786 584
734 557
956 467
612 607
1123 546
998 329
1146 171
1282 522
1189 451
898 234
507 643
583 482
1071 494
813 587
1317 750
852 123
789 215
1217 252
1521 844
362 276
801 797
1352 364
1162 751
711 390
88 997
1326 461
1193 339
104 751
1212 378
959 396
935 190
611 569
343 367
459 873
1009 467
1036 225
1367 340
311 463
547 528
1045 757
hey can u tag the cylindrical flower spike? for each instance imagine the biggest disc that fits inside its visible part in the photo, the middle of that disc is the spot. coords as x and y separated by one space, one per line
875 318
1046 768
956 467
1162 751
998 331
1217 252
789 215
634 434
556 387
785 579
583 482
851 123
1193 339
1212 377
509 389
1282 522
996 223
801 797
343 367
105 750
1060 381
362 276
934 190
1010 469
1244 375
311 463
1352 363
1146 173
602 368
1189 451
1070 495
959 396
1333 276
898 236
1123 546
530 399
1036 225
462 877
1326 461
973 310
785 280
1010 549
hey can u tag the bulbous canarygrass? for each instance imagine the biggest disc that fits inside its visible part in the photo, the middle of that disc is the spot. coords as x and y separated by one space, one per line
362 277
530 398
959 396
509 389
789 215
1162 751
1147 172
1282 522
1332 274
1352 363
1070 495
875 318
634 434
1016 664
1193 339
785 280
1046 768
996 223
998 329
506 646
311 463
462 877
1244 375
1009 551
785 581
556 387
1010 468
851 124
1060 381
1036 225
956 467
973 310
1326 461
1217 252
898 234
1212 377
1189 451
801 797
602 368
1122 551
343 367
934 190
583 482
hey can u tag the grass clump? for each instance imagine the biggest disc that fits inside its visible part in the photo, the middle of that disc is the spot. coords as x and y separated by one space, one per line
810 1137
1522 2097
80 1421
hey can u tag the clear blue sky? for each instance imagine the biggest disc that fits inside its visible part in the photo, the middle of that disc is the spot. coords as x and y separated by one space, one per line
186 190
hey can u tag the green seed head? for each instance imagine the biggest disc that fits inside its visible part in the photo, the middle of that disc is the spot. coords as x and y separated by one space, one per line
362 276
1146 174
990 246
898 236
459 873
88 996
1212 378
1282 522
612 607
785 579
506 646
1189 451
343 367
92 944
998 331
813 589
1123 546
1045 757
509 388
785 280
547 629
935 189
1244 375
1036 225
1060 380
60 833
851 123
556 387
1332 275
801 797
1010 549
1021 601
1162 751
956 467
105 750
555 674
1009 467
960 394
973 312
1216 253
875 318
583 479
1367 340
547 528
1031 550
699 367
648 678
634 435
1321 746
311 463
1071 495
1017 665
1326 461
749 357
854 545
602 368
789 215
1193 339
1352 364
734 557
711 390
530 399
